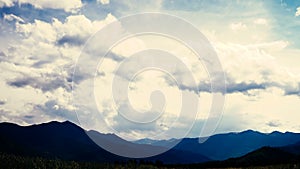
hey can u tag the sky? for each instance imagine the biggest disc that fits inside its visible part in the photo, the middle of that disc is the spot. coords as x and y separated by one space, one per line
257 43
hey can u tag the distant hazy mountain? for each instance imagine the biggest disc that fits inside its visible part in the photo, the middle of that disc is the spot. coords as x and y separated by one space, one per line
224 146
67 141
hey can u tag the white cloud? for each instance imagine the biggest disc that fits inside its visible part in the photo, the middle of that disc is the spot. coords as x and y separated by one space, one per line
271 46
3 101
257 66
38 69
7 3
297 12
260 21
36 73
67 5
104 2
252 72
238 26
12 17
256 112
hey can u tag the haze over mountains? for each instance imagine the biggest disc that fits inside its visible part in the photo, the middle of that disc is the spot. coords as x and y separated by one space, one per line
67 141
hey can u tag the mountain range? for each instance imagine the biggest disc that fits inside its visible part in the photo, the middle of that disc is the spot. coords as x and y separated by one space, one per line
67 141
266 157
229 145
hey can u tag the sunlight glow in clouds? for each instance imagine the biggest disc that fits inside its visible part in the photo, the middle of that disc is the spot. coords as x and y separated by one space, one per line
297 12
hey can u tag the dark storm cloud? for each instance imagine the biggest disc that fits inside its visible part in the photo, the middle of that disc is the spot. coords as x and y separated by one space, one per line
71 40
273 124
234 87
295 92
47 83
2 54
292 91
231 87
244 87
2 102
28 117
22 82
115 57
78 75
40 64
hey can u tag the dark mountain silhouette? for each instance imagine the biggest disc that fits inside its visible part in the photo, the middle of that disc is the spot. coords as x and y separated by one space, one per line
292 148
270 157
52 140
261 157
265 156
67 141
224 146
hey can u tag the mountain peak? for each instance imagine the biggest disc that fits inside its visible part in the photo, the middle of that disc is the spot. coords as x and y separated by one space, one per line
276 133
63 123
248 132
67 122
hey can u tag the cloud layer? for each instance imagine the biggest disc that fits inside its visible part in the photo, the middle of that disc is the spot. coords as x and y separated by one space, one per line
68 5
39 50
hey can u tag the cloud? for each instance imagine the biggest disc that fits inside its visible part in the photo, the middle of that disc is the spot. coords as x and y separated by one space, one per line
7 3
45 83
271 46
259 71
104 2
297 12
37 66
238 26
273 123
53 109
67 5
50 48
12 17
18 118
71 40
243 87
231 87
29 13
3 101
260 21
249 67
